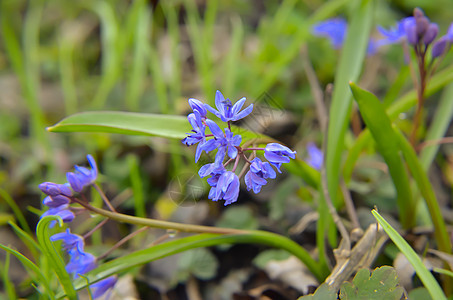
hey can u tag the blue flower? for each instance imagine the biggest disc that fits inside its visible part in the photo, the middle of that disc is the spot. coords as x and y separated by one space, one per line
228 141
53 189
103 286
257 175
62 211
333 29
226 188
81 262
226 111
199 133
83 176
396 34
315 156
199 106
55 201
277 154
69 239
414 30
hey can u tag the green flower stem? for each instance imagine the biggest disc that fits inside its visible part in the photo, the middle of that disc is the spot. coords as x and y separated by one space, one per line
227 235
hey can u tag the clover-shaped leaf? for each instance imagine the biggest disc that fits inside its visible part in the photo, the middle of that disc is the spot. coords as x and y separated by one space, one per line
382 284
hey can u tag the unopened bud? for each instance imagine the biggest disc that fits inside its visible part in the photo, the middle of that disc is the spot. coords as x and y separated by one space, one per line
430 34
418 13
439 47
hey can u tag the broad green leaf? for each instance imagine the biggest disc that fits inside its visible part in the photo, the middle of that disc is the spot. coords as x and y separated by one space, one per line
37 275
198 262
423 273
427 191
168 126
56 261
125 123
323 292
373 113
383 284
350 65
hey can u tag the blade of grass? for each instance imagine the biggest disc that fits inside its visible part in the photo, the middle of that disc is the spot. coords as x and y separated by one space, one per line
233 58
25 64
36 274
137 186
373 113
171 13
16 210
110 55
65 62
140 56
423 273
201 44
441 121
8 285
349 67
426 189
53 256
28 240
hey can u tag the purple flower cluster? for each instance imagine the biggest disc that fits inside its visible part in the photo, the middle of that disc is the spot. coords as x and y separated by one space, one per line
59 197
81 262
416 30
225 184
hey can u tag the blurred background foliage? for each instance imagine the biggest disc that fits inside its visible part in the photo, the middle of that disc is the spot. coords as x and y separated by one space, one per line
62 57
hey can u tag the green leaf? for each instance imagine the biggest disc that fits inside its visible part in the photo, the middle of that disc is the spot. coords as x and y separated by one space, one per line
125 123
53 256
168 126
423 273
8 285
264 257
427 191
350 65
199 262
420 293
379 124
323 292
239 217
36 274
381 285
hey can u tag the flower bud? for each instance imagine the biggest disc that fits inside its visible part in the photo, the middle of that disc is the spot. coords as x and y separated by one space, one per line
430 34
439 47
